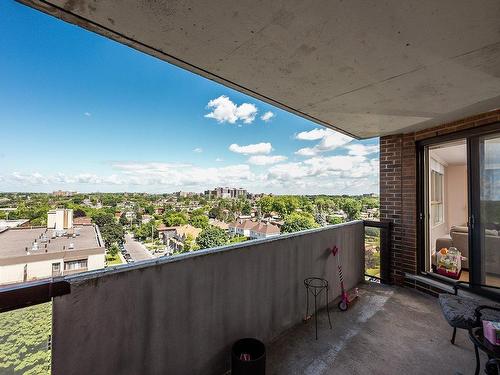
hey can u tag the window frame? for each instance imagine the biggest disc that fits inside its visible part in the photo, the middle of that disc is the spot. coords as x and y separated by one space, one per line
471 136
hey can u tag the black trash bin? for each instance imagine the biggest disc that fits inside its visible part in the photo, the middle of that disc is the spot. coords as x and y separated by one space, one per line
248 357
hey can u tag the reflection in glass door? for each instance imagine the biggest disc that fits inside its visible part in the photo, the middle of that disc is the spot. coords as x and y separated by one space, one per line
489 225
446 210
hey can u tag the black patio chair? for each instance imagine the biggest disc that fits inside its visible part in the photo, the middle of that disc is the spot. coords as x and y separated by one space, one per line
459 310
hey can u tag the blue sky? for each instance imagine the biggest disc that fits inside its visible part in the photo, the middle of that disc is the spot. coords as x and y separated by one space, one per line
81 112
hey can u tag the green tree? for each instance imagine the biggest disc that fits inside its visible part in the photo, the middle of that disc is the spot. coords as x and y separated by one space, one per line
172 219
291 204
102 218
246 209
78 212
112 233
266 204
144 231
212 237
335 220
298 221
199 221
113 250
190 244
123 219
352 208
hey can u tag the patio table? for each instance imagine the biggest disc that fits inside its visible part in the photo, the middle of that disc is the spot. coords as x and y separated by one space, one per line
492 351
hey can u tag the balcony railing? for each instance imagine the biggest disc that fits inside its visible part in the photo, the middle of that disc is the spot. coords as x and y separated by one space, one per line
378 235
180 315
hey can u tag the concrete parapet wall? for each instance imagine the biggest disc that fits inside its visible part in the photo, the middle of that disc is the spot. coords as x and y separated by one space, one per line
181 315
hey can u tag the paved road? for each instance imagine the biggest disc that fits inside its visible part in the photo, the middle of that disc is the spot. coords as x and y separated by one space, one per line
136 250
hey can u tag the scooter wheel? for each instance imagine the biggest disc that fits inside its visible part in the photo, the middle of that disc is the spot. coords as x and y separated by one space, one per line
342 305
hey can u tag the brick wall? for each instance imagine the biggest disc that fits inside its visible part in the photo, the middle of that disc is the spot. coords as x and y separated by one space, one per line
398 189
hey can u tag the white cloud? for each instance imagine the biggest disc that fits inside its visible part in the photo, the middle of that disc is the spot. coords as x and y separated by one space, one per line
267 116
224 110
320 169
88 114
288 171
306 151
358 149
338 174
313 135
258 148
329 140
246 112
26 179
334 163
198 150
170 175
219 159
266 159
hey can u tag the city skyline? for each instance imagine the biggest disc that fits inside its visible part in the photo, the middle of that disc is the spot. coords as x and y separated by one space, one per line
80 112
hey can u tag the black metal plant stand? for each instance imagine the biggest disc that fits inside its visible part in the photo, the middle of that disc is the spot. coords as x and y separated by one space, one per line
315 286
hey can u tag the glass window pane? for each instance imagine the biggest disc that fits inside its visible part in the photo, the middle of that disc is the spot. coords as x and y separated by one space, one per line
372 251
490 209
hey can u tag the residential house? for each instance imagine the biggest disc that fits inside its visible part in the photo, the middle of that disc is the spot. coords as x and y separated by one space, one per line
241 227
175 237
219 224
264 230
253 229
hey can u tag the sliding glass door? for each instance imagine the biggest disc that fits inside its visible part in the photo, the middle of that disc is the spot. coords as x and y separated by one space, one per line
489 209
459 206
446 214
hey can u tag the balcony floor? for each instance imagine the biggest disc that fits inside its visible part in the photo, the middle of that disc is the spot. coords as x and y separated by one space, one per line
390 330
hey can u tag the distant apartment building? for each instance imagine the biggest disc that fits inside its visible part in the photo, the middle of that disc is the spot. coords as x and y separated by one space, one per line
185 194
62 248
226 192
62 193
253 229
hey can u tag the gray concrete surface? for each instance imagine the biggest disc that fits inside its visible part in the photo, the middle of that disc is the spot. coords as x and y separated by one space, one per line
181 315
365 68
390 330
136 250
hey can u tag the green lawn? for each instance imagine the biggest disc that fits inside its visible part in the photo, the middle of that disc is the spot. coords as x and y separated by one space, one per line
113 261
23 340
373 271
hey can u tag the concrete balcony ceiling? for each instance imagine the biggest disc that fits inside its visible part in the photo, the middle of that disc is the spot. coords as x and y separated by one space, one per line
364 68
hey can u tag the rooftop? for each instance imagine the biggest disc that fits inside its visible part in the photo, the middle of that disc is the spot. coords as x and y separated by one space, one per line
187 229
255 226
266 228
15 241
